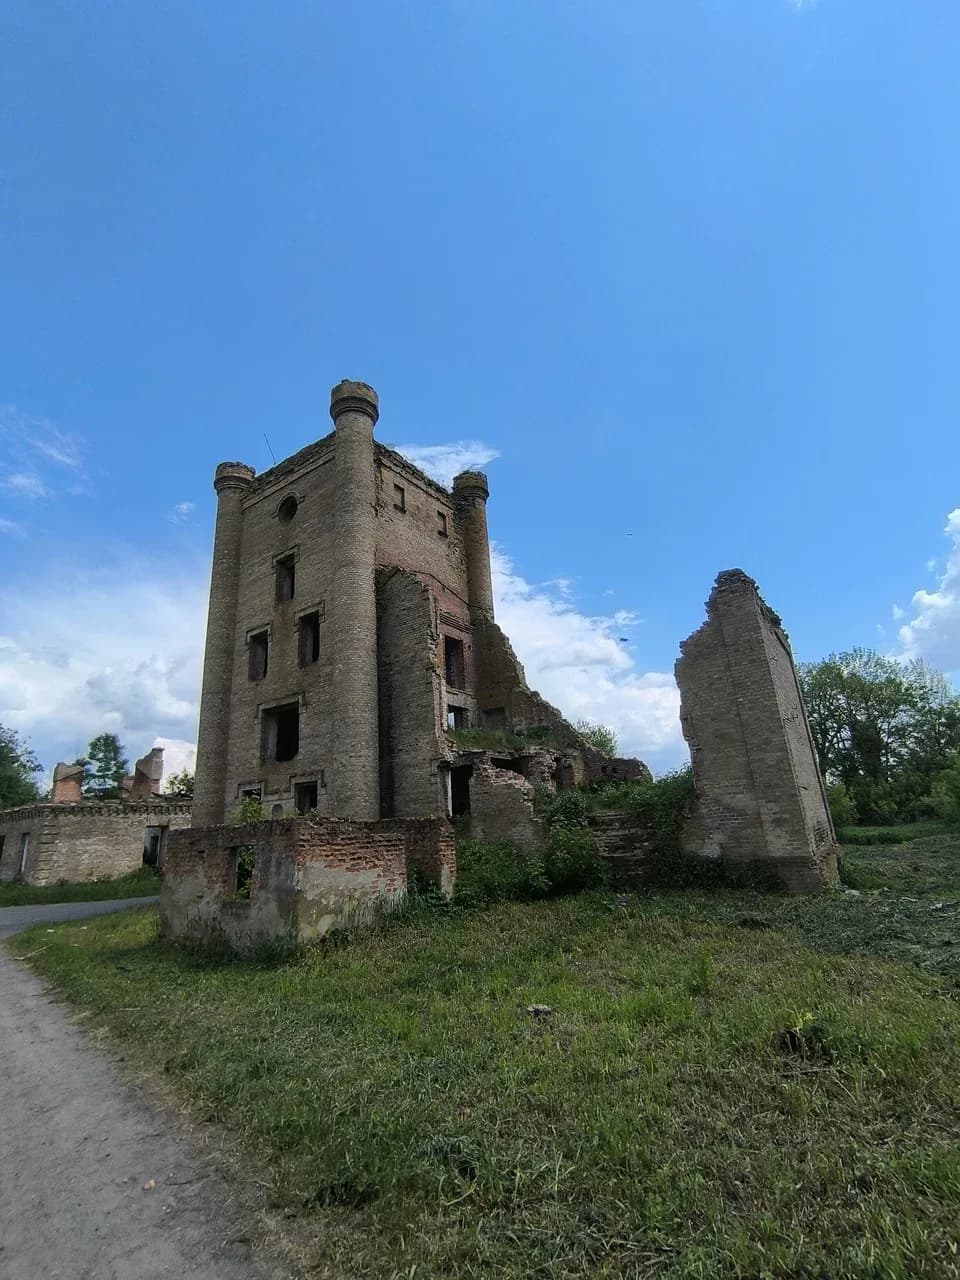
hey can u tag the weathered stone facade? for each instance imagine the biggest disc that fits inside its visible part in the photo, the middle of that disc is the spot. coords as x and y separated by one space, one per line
89 840
351 623
760 798
307 876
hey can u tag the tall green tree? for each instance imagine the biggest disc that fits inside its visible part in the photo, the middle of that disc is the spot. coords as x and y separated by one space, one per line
883 729
106 766
18 765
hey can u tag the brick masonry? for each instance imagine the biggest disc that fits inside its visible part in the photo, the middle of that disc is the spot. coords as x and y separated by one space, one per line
310 876
82 842
760 798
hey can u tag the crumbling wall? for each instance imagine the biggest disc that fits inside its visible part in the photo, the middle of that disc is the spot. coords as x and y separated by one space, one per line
501 807
310 875
410 697
760 800
67 782
506 701
94 840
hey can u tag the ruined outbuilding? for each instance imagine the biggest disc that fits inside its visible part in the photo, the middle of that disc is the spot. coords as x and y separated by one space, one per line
76 838
353 668
760 801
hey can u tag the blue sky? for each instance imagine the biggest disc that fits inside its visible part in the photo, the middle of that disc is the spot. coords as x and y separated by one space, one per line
685 274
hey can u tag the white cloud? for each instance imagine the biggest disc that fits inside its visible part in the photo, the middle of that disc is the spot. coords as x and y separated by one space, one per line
443 461
933 632
177 756
580 664
87 653
898 613
25 484
182 512
11 528
36 451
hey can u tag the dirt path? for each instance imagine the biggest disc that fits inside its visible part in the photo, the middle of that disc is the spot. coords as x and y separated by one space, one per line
77 1147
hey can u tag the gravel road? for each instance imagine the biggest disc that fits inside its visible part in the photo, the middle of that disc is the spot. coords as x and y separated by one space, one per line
95 1182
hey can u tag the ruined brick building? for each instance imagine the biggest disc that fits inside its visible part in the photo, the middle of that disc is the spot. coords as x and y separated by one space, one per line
76 838
351 623
357 685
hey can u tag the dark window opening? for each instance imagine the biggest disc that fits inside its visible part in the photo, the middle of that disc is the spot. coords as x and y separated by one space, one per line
323 779
251 793
276 812
564 776
257 652
240 874
281 732
456 717
453 662
305 795
495 719
309 639
512 766
399 498
153 847
460 790
442 524
286 578
287 509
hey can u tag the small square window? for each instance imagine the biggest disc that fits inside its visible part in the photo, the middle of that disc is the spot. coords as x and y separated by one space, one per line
286 578
305 796
399 498
257 654
456 717
442 523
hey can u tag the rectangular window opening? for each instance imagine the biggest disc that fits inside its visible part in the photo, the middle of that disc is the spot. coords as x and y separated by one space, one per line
152 837
456 717
286 578
453 662
399 498
460 791
309 638
257 652
240 874
442 523
281 732
305 796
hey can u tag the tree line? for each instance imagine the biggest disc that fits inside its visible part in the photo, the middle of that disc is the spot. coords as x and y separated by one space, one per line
104 766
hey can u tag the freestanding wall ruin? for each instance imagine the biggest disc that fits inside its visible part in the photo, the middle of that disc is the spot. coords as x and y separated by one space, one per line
760 798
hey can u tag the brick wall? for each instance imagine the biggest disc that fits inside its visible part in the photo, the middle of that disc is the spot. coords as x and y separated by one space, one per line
501 807
310 875
82 842
759 796
411 696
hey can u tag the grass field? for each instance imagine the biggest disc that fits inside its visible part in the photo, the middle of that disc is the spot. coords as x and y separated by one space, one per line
140 884
728 1085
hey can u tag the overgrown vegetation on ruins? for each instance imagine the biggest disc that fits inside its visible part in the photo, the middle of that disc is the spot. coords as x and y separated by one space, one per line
675 1084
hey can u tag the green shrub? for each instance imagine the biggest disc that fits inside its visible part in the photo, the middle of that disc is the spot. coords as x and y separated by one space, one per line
497 871
843 811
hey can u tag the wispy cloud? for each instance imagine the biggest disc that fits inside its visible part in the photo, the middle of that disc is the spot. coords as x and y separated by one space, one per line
25 484
182 512
37 453
581 664
11 528
933 632
443 461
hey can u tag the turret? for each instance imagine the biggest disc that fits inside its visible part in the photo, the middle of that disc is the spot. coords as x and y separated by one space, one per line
355 772
470 493
231 481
